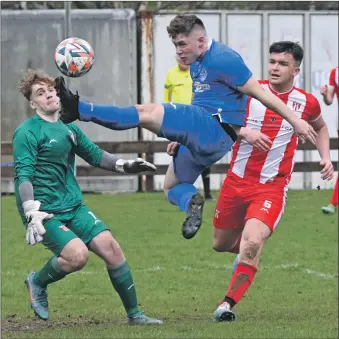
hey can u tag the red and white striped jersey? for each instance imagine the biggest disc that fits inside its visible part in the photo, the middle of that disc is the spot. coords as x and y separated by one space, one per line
277 163
334 75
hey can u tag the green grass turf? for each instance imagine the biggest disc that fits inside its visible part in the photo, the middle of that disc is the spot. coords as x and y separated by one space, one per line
294 294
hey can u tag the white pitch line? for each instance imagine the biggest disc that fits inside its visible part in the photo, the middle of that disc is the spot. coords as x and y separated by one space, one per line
203 268
319 274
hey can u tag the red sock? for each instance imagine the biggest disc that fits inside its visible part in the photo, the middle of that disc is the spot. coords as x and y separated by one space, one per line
241 281
334 200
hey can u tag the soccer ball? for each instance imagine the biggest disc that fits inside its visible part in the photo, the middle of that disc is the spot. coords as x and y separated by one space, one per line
74 57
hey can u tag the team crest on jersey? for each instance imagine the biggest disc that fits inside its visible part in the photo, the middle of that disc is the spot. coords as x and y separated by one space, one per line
203 74
200 74
72 136
296 106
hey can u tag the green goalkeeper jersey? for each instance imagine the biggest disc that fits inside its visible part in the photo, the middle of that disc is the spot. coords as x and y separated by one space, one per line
44 154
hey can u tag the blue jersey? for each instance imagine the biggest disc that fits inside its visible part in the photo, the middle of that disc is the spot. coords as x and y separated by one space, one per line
215 81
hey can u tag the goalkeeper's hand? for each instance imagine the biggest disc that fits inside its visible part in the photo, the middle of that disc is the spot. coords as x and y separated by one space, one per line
35 229
68 101
134 166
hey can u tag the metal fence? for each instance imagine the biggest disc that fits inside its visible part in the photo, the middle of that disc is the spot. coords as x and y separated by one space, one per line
29 38
250 34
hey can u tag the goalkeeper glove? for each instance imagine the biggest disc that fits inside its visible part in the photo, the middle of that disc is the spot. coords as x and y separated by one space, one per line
134 166
35 228
69 102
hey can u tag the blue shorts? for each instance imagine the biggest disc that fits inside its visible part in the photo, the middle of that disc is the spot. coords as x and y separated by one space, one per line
203 139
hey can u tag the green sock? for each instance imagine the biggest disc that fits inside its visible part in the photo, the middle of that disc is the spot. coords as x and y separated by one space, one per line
50 273
122 281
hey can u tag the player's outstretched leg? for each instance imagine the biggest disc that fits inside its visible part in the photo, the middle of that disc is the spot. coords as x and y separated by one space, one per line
113 117
149 116
38 297
185 195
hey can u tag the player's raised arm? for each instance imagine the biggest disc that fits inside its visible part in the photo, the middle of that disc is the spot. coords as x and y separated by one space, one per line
97 157
268 99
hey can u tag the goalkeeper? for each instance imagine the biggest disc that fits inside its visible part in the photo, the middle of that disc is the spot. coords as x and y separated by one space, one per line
50 203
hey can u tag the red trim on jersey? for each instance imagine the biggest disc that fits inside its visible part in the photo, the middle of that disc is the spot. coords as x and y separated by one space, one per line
334 80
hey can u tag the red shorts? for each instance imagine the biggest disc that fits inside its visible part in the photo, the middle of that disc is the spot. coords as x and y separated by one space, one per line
241 200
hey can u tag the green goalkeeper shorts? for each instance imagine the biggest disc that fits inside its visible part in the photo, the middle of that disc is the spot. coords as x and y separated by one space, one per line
80 222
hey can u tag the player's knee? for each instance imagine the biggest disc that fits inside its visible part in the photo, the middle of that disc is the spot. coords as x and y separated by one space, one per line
220 246
166 190
224 240
168 185
149 112
170 181
250 250
114 249
79 258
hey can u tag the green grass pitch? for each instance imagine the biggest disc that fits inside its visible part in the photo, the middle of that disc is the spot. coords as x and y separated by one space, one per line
294 294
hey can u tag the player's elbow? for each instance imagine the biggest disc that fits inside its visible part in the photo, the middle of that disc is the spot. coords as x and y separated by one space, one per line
20 178
328 101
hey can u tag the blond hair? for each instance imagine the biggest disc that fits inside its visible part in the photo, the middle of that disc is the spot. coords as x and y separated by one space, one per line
32 77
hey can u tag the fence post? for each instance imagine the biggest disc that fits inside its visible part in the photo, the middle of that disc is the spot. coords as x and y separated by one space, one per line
147 84
307 155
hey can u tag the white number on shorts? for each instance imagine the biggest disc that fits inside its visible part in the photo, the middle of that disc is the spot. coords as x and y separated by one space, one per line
95 218
267 204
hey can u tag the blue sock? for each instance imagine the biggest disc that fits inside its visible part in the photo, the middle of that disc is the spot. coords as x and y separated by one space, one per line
235 263
112 117
180 195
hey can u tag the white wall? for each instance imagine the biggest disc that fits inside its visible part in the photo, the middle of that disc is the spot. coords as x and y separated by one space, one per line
318 34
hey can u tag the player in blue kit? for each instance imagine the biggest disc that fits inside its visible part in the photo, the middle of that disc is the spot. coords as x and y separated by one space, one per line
206 129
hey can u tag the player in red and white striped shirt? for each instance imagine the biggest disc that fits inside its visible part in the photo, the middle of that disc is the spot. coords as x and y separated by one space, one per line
252 198
328 92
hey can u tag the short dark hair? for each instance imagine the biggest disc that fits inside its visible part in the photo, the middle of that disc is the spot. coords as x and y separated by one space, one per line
183 24
290 47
